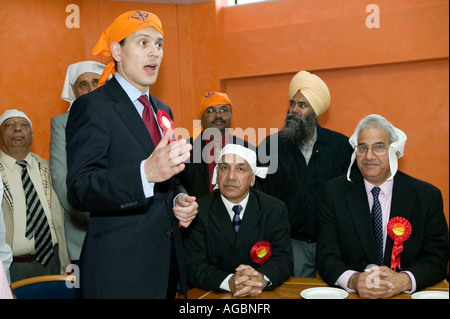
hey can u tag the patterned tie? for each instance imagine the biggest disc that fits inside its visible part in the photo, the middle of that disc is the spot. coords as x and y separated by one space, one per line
377 223
236 219
149 119
37 224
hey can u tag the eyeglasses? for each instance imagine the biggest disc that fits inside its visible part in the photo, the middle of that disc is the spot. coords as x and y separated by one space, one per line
379 149
211 111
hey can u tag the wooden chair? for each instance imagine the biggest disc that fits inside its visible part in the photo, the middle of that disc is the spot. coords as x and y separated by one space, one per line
45 287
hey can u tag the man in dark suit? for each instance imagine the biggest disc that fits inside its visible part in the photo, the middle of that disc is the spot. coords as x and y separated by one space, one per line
215 112
240 240
122 172
401 229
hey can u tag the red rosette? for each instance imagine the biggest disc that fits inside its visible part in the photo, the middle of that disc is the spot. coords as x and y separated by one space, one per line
165 122
261 252
399 229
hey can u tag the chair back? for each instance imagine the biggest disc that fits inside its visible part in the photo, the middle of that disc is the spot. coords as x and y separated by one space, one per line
45 287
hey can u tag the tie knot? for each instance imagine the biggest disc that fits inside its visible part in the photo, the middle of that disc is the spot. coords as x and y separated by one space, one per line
375 191
237 209
144 100
22 164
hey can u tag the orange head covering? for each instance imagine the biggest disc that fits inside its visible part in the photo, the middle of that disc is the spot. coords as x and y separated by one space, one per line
213 98
124 25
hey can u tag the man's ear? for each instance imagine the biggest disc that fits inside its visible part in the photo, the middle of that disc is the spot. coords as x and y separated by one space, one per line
115 49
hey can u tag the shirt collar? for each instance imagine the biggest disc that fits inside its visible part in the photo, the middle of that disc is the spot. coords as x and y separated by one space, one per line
386 187
132 92
229 205
10 162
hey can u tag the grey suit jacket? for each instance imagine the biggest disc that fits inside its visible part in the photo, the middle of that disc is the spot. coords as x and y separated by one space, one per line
75 221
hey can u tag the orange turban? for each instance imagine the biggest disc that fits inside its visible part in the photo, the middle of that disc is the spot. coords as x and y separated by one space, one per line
213 98
124 25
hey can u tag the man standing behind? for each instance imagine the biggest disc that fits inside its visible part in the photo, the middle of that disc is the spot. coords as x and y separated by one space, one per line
121 171
81 78
216 113
32 212
308 156
379 216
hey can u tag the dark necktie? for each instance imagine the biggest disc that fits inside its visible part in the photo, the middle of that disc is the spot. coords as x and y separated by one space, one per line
149 120
236 219
377 223
37 224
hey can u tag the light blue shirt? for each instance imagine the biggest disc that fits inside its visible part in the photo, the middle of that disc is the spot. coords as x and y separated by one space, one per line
134 94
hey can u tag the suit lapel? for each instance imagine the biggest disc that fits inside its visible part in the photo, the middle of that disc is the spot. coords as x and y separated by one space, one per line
401 206
128 113
360 213
250 221
221 219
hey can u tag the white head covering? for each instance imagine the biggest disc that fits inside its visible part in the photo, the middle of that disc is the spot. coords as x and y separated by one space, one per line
396 148
247 154
72 74
13 113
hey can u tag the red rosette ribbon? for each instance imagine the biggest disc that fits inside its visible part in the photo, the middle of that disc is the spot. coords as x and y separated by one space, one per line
399 229
261 252
165 122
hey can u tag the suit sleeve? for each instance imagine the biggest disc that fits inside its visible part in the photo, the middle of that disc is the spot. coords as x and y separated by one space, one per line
58 166
201 272
328 252
280 265
432 258
92 184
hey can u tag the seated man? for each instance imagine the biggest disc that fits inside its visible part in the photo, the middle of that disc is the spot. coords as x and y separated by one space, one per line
378 216
31 209
240 240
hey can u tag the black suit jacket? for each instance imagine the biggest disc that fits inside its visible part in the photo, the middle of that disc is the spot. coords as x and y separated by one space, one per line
195 176
213 251
346 240
126 253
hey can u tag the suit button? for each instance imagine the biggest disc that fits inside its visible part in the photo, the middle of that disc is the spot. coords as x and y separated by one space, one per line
168 232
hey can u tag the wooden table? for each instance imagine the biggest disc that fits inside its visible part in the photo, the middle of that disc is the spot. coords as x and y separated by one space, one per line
291 290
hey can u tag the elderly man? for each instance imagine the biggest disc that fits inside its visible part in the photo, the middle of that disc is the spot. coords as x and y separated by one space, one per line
122 170
308 156
380 217
32 212
240 239
81 78
216 112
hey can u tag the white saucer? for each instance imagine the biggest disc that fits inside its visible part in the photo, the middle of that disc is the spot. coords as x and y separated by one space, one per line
430 295
324 293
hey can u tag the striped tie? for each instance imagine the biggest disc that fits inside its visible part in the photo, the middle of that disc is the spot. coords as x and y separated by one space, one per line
236 219
377 223
149 120
37 224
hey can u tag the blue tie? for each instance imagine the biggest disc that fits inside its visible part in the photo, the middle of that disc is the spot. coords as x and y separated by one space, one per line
377 223
236 219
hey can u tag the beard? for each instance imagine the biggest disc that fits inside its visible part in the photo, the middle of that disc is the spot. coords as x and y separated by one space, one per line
298 129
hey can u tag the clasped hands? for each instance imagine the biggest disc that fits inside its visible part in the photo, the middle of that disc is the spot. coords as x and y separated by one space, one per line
166 161
246 282
379 282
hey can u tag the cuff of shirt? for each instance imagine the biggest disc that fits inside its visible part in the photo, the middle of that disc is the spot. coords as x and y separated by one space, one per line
343 280
224 285
413 282
146 185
